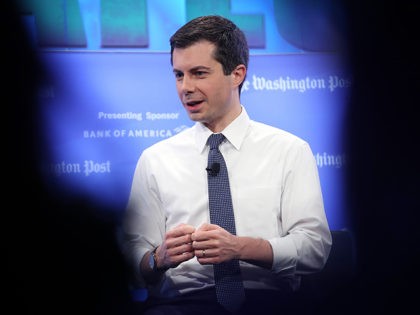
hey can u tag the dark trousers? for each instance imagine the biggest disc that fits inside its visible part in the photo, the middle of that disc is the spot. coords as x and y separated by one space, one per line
267 302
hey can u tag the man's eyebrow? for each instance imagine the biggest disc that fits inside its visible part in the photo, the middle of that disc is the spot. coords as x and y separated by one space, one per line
197 68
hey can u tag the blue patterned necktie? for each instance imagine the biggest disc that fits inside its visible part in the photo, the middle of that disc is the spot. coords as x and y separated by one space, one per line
227 275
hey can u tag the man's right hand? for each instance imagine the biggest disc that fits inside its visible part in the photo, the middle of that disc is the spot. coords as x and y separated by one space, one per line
176 248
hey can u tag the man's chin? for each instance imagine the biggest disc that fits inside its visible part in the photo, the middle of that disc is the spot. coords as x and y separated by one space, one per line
196 117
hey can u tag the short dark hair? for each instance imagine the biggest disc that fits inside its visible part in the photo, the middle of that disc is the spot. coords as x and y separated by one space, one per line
231 44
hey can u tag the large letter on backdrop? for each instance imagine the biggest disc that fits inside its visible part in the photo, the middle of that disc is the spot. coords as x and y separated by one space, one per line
251 24
124 23
58 23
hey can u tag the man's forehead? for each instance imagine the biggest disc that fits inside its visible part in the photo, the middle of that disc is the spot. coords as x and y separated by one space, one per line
194 56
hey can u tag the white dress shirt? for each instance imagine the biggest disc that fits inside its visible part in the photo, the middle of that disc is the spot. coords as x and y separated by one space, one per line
275 191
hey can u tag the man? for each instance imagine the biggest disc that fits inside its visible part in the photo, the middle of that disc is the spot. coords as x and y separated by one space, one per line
281 227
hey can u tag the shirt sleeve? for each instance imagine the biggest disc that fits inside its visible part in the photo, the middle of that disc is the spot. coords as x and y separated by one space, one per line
305 243
142 227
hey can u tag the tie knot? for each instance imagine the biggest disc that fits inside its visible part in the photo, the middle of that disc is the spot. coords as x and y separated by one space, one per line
215 139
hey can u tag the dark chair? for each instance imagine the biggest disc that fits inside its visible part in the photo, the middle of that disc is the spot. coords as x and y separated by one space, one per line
339 271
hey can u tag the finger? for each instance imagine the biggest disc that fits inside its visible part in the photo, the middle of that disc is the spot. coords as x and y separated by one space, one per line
182 229
186 228
176 243
204 244
205 235
175 256
207 257
208 227
201 233
179 258
203 253
184 248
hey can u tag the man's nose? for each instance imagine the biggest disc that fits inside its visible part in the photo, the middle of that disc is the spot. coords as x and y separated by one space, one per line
187 85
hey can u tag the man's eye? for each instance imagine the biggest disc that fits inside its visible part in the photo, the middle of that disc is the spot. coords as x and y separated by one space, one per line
178 75
200 73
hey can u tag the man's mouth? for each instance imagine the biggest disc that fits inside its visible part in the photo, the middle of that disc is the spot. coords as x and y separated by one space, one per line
193 103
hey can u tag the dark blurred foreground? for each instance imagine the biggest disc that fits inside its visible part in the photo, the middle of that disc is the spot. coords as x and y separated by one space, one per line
60 251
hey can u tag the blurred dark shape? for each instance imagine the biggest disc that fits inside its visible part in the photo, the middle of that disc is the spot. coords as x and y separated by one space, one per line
382 139
313 26
383 185
59 252
60 256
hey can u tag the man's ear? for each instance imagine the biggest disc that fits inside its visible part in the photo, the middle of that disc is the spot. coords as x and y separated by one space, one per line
238 74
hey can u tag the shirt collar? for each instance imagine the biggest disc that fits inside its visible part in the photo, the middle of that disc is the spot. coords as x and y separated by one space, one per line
235 132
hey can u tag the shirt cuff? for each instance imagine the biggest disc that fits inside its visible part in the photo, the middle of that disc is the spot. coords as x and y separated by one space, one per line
285 255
